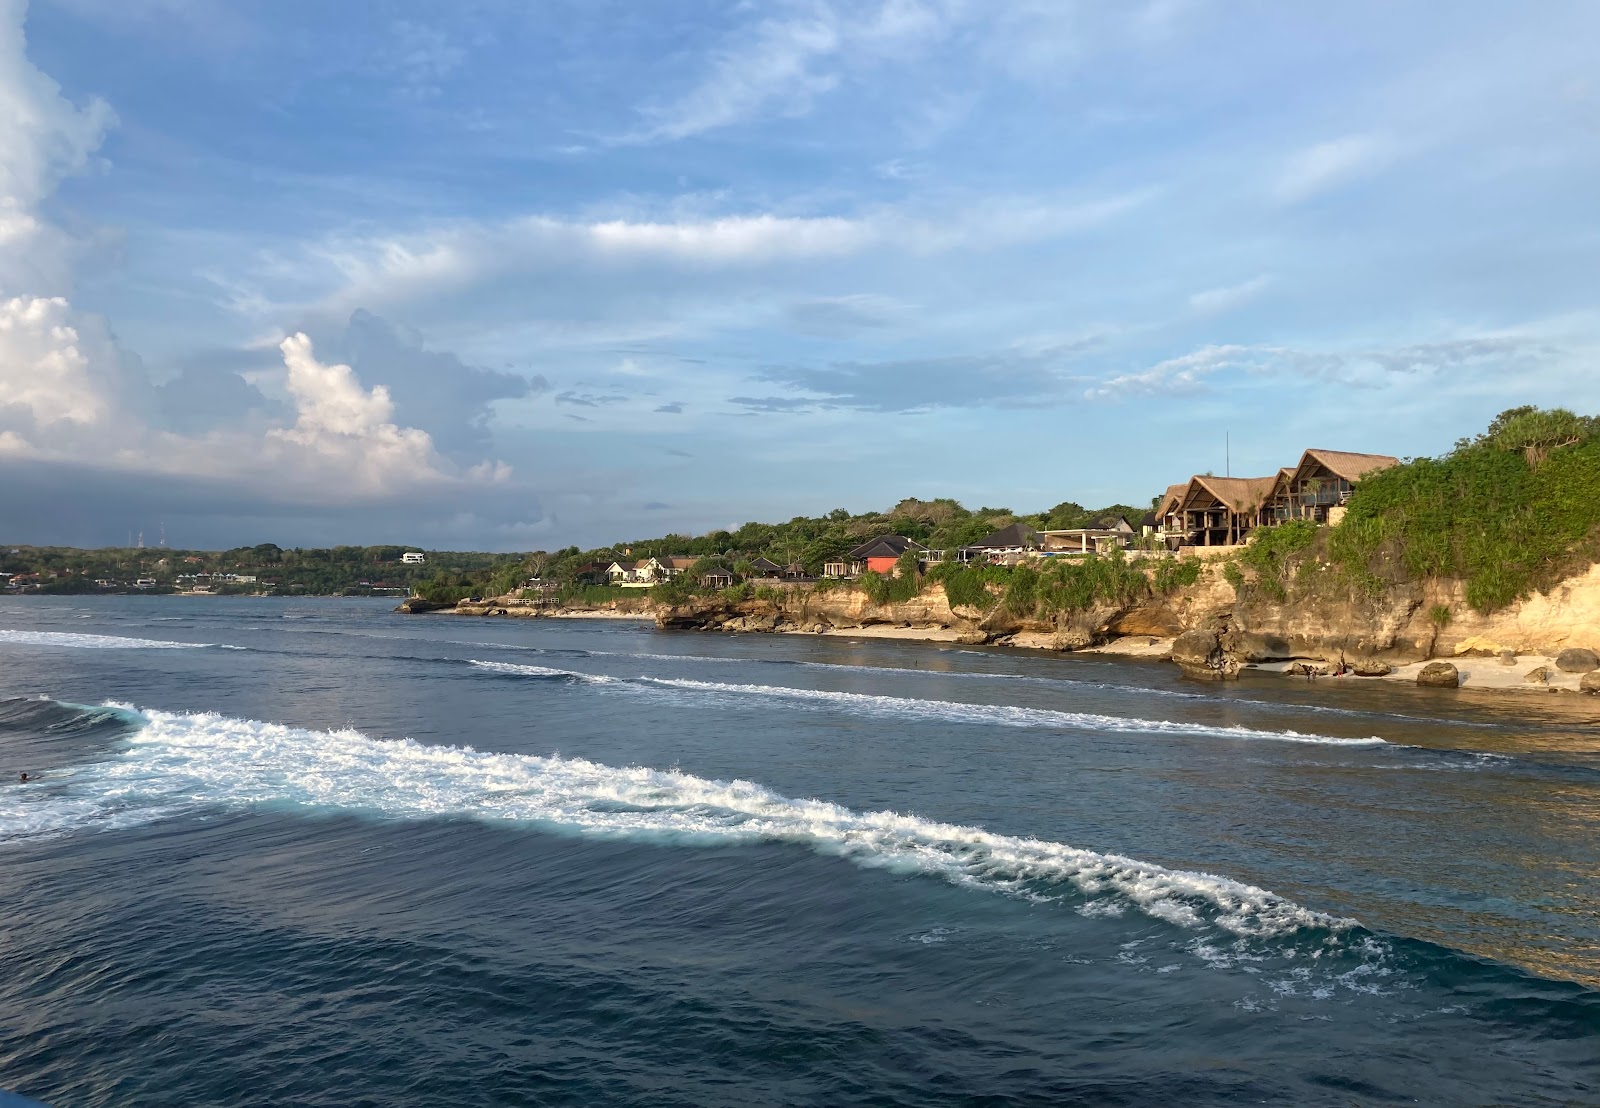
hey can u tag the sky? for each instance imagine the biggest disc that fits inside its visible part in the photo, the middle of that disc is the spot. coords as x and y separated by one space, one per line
518 274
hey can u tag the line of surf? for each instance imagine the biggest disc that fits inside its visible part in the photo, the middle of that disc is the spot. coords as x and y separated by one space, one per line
78 641
951 711
979 675
179 763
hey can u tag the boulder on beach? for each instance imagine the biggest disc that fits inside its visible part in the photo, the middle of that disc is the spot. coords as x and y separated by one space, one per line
1540 676
1196 648
1199 654
1590 683
1371 667
1577 659
1439 675
1508 657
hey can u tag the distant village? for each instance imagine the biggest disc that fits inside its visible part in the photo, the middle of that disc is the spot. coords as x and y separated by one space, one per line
260 570
1203 515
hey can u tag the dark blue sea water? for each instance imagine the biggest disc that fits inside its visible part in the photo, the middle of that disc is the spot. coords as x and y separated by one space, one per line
309 852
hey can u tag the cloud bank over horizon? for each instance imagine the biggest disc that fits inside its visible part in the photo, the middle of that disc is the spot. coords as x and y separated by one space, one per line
503 279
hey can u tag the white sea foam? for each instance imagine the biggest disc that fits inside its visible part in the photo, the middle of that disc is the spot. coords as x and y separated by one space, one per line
1005 715
1142 691
546 671
189 763
92 642
900 707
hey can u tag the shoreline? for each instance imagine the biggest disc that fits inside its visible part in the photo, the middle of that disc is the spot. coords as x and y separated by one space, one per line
1476 671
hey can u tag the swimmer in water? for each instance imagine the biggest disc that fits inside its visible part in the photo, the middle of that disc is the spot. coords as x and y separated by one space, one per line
24 779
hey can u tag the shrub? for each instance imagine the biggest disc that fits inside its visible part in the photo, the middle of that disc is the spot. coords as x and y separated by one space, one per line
1271 551
1482 514
1233 575
963 587
1176 573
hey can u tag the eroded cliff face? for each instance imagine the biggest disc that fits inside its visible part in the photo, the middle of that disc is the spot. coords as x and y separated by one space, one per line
848 609
1320 622
1407 623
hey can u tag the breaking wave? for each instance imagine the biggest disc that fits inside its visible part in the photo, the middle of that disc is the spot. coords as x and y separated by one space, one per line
900 707
176 764
95 642
1143 691
547 671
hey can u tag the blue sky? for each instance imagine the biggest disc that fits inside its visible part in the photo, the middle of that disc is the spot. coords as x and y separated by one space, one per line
590 271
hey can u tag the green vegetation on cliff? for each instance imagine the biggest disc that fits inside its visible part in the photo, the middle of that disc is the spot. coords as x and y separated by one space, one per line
1509 512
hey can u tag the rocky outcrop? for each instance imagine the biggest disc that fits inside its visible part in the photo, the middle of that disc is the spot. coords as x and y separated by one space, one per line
413 605
528 609
1577 659
845 609
1200 655
1154 620
1439 675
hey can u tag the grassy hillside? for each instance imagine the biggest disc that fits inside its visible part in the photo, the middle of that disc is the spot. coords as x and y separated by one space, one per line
1509 512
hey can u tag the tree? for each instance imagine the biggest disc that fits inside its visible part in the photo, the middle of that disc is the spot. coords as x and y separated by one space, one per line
1536 431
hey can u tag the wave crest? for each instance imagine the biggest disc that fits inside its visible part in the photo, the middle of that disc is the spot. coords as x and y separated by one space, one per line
177 763
93 642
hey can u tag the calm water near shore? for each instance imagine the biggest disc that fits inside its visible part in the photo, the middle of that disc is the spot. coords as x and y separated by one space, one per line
311 852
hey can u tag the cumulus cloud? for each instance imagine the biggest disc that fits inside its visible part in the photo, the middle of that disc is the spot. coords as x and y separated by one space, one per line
44 369
431 389
72 398
43 139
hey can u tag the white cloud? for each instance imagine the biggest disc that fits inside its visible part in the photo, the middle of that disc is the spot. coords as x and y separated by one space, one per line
1215 301
69 394
1180 374
340 422
1463 359
1328 165
774 65
43 138
384 271
42 368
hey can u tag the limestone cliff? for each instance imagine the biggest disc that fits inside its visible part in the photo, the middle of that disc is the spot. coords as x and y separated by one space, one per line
1402 623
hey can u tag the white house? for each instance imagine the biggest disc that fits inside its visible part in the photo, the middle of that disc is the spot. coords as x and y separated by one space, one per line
637 575
413 557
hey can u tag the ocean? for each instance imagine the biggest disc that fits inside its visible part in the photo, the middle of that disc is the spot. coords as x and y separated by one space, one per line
311 852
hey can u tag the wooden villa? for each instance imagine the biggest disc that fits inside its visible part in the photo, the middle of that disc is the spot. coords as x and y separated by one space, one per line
1321 484
1222 511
